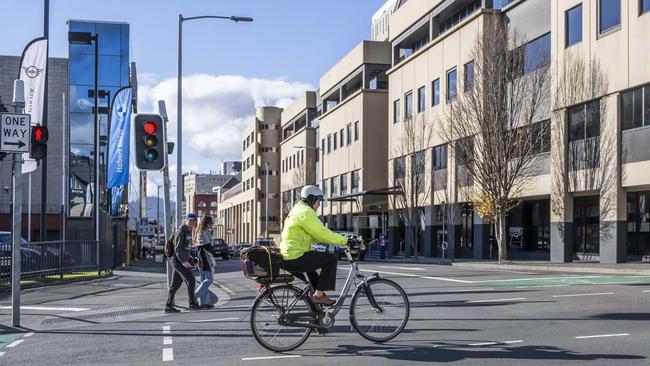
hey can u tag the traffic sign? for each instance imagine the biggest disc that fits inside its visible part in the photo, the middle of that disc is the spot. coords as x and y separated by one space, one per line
146 228
15 134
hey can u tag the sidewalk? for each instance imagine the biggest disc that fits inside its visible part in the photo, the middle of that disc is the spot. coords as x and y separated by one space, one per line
633 268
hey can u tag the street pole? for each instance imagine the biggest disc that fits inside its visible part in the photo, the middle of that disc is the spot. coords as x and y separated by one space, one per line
96 149
46 33
63 169
179 106
17 202
29 207
179 124
322 180
166 183
266 204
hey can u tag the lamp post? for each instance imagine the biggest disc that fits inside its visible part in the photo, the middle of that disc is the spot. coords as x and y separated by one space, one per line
87 38
322 172
266 203
179 129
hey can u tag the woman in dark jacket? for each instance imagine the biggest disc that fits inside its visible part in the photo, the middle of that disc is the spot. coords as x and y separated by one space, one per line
206 264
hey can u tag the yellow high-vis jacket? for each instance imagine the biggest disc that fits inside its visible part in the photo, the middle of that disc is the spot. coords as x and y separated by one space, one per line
302 228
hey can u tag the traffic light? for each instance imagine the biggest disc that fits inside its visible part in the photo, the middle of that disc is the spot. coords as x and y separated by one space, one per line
149 142
39 142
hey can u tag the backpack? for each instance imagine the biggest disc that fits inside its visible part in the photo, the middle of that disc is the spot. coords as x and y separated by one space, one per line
169 247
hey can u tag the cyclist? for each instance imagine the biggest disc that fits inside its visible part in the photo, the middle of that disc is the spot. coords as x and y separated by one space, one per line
302 228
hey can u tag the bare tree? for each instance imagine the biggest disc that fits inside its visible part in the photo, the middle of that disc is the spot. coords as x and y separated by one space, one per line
585 151
409 175
492 126
301 176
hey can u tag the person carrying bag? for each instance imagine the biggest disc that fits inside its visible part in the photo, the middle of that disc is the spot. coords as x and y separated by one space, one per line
206 264
182 262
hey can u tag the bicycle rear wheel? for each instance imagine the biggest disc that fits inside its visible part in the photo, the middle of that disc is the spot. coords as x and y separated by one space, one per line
383 317
265 315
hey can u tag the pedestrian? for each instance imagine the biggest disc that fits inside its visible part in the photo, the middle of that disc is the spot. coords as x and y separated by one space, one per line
206 266
182 261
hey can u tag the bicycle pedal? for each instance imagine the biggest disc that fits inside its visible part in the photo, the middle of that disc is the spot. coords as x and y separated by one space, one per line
322 331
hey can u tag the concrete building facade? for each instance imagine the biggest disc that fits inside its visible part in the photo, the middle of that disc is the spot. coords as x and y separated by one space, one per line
242 209
353 134
200 184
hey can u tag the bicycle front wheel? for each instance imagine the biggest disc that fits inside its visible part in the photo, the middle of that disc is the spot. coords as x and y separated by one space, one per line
265 319
379 311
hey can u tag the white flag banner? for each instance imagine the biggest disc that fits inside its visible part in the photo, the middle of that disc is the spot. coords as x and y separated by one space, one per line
32 72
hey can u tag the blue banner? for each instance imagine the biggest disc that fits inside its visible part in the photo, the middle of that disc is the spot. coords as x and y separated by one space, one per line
119 139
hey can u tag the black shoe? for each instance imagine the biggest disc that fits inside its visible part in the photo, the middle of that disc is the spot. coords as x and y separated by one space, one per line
194 306
171 310
207 306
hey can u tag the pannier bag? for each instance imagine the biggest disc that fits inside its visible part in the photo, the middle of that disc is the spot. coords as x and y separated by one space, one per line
260 262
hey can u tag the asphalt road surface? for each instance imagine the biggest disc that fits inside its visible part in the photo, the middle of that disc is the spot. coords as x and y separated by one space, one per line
458 316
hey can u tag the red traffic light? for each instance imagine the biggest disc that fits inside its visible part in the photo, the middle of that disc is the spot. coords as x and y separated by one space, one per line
39 134
150 127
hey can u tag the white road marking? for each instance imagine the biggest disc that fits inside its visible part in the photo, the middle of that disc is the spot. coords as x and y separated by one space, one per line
212 320
538 286
269 357
498 300
168 354
386 350
539 278
646 290
166 329
46 308
592 294
226 289
404 268
28 335
414 275
167 341
470 289
483 344
2 353
603 336
15 343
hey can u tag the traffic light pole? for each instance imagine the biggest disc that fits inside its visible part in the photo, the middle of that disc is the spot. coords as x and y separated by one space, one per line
166 206
17 206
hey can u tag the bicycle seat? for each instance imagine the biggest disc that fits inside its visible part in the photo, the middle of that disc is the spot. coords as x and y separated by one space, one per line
283 278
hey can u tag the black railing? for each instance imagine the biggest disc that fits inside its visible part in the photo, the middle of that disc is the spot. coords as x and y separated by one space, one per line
40 259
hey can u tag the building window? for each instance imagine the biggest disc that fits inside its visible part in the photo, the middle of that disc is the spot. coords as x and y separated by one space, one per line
335 140
644 6
399 171
329 143
334 187
635 108
396 111
421 99
573 19
435 95
537 54
408 106
342 138
469 75
325 186
451 85
355 181
348 129
344 183
584 121
356 131
609 15
418 166
440 157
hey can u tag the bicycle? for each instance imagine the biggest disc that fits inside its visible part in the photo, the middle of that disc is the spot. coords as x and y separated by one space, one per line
283 316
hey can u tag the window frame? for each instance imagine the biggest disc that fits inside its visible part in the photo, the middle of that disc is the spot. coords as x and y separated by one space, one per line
335 141
612 29
435 92
422 99
436 151
341 136
566 26
465 76
356 131
449 98
641 11
396 111
407 95
348 133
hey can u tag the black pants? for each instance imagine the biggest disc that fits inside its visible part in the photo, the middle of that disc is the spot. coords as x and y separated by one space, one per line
310 262
181 274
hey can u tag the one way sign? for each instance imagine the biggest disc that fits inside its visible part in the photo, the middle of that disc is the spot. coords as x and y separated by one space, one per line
14 133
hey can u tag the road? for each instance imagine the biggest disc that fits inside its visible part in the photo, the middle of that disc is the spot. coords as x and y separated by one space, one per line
459 316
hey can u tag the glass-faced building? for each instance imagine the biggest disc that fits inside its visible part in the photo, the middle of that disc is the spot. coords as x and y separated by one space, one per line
113 41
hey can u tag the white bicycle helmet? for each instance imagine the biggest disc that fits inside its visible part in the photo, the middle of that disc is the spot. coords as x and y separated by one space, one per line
314 191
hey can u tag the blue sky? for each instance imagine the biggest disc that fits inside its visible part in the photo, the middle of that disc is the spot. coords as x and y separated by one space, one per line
228 68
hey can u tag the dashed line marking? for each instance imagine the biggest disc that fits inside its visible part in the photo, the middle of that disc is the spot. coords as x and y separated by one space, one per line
223 287
592 294
646 290
269 357
483 344
386 350
46 308
413 275
167 341
28 335
166 329
15 343
2 353
212 320
168 354
498 300
404 268
603 336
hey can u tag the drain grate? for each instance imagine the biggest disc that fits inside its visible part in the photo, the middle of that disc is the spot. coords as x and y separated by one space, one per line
98 316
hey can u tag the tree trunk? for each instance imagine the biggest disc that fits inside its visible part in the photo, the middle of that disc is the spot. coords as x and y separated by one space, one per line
501 236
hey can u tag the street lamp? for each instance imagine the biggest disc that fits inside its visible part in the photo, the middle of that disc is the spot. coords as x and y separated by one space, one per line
87 38
179 129
322 172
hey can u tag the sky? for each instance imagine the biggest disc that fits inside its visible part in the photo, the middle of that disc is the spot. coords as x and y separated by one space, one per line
229 68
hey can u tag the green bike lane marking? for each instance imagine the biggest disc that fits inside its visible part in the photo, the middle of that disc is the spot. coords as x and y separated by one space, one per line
8 339
568 281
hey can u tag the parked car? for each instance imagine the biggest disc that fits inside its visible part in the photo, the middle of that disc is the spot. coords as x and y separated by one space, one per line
264 242
5 237
221 248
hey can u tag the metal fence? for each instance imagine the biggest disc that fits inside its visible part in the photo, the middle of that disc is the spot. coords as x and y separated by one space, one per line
48 258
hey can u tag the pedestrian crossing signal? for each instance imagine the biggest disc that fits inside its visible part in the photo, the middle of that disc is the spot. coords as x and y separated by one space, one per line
39 137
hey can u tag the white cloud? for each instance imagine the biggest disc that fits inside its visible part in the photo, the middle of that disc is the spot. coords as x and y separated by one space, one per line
216 109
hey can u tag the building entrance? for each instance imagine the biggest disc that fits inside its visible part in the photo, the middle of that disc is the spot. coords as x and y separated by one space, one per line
638 224
586 225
